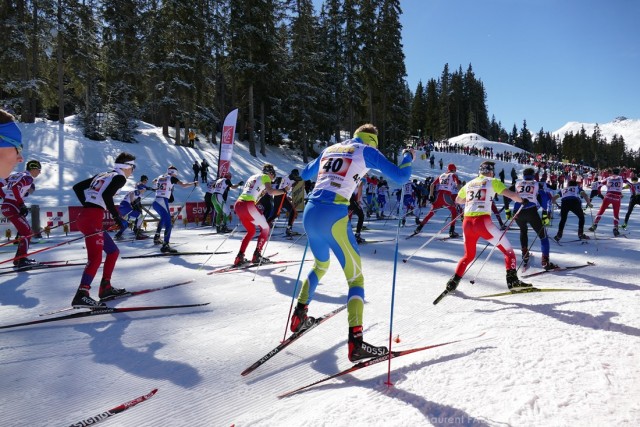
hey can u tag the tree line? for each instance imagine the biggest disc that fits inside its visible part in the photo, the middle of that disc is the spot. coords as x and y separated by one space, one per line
289 70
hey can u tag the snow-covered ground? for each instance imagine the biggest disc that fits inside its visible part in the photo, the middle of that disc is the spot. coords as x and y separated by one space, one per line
548 359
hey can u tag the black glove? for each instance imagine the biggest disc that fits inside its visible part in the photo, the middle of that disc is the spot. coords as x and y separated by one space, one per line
137 205
432 198
24 211
241 183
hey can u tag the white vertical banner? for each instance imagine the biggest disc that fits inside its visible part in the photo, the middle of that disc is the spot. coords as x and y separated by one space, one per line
226 143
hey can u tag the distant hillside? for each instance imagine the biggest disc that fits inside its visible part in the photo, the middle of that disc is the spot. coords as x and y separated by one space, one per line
628 128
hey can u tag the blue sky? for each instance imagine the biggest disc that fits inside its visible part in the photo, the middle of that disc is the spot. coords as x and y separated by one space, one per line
546 61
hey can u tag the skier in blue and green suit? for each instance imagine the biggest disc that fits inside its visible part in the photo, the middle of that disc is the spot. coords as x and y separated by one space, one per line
326 222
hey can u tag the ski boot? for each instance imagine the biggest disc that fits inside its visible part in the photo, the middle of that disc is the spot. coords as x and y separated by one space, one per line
418 229
240 259
83 300
616 233
359 239
453 283
109 292
25 263
583 237
514 283
624 226
259 259
548 265
453 234
157 240
288 232
557 238
593 227
167 249
299 317
359 350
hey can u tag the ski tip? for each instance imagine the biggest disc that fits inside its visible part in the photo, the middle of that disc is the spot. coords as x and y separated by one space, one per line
405 260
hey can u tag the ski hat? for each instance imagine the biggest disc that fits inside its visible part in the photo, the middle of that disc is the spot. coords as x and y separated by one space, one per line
172 170
486 167
33 164
451 167
10 136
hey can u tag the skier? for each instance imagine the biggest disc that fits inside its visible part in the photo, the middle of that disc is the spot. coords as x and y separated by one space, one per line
131 207
533 191
249 215
444 185
10 144
614 184
355 208
284 201
476 195
570 202
19 186
164 196
383 195
219 199
326 222
409 200
96 195
634 186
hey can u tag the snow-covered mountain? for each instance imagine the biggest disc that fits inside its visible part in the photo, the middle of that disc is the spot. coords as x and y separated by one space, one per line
628 128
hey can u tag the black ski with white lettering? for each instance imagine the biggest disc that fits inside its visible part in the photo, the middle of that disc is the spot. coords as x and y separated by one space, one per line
100 311
555 270
125 295
376 360
310 323
114 411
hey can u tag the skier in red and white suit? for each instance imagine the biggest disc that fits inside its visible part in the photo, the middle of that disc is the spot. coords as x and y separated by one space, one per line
445 186
614 184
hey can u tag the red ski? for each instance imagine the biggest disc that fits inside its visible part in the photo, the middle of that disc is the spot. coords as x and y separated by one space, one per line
113 411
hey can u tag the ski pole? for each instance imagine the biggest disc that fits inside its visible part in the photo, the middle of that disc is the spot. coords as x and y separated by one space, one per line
431 239
476 258
219 246
175 216
393 296
594 230
528 251
496 244
19 238
296 241
295 290
57 245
